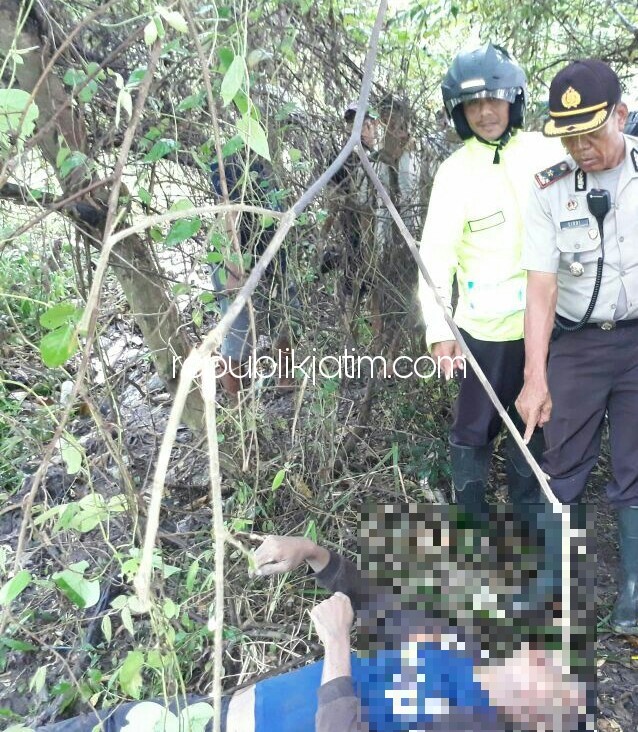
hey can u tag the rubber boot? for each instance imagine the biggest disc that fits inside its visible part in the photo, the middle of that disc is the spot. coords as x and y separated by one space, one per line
624 617
522 484
470 470
546 532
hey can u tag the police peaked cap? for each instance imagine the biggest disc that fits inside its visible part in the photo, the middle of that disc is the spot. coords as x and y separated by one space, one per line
581 98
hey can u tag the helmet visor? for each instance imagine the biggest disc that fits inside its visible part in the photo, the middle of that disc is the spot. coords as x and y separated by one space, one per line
509 95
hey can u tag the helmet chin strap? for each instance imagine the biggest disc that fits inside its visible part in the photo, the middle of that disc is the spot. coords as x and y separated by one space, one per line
499 144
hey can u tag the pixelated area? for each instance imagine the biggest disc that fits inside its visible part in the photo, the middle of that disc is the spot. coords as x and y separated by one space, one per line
488 591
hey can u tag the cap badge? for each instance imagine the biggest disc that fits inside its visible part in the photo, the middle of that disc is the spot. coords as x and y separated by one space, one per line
570 99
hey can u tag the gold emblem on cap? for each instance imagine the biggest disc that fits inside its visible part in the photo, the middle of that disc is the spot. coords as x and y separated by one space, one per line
570 99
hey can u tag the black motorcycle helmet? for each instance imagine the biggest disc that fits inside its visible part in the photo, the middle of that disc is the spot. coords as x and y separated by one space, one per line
631 125
487 72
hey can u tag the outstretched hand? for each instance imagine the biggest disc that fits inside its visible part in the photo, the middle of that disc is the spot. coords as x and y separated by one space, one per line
279 554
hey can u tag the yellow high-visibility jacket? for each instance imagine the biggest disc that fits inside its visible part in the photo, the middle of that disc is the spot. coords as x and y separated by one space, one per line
474 229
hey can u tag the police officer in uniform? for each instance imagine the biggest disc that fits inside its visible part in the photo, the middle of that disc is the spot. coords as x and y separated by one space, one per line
474 231
581 253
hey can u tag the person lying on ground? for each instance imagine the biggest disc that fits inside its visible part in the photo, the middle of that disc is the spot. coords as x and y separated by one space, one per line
421 679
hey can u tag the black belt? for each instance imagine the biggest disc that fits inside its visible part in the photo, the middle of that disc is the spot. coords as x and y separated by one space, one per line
604 325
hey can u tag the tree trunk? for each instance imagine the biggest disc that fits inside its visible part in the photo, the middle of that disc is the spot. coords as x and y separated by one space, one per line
133 264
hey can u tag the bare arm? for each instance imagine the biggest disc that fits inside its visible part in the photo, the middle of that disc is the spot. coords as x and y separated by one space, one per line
534 402
339 708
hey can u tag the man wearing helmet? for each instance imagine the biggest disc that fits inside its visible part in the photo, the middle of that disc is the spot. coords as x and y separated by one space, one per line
474 231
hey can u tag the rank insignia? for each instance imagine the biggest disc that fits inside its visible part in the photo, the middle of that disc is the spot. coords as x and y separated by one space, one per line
572 204
552 174
634 159
580 180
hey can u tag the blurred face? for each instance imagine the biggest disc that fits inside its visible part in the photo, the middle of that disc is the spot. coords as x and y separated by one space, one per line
487 118
602 149
532 688
369 132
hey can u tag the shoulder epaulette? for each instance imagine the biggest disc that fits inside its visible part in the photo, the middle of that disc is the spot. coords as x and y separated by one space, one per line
550 175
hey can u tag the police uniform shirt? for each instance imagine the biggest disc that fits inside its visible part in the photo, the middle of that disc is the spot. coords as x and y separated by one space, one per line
562 237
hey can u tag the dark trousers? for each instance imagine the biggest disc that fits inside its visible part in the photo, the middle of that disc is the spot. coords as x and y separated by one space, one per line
476 421
592 372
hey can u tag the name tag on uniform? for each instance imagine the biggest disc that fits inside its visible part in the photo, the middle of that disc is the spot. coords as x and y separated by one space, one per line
575 224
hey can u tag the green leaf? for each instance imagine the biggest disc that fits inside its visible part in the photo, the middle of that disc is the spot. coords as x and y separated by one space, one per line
130 675
13 103
181 230
17 645
196 717
150 33
174 19
156 234
88 92
160 149
71 453
190 102
38 680
58 346
242 102
191 576
278 479
254 135
71 162
80 591
11 589
160 26
60 314
181 288
232 146
182 204
226 57
311 530
125 102
127 620
233 79
136 77
73 77
170 609
144 196
62 154
107 628
214 258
